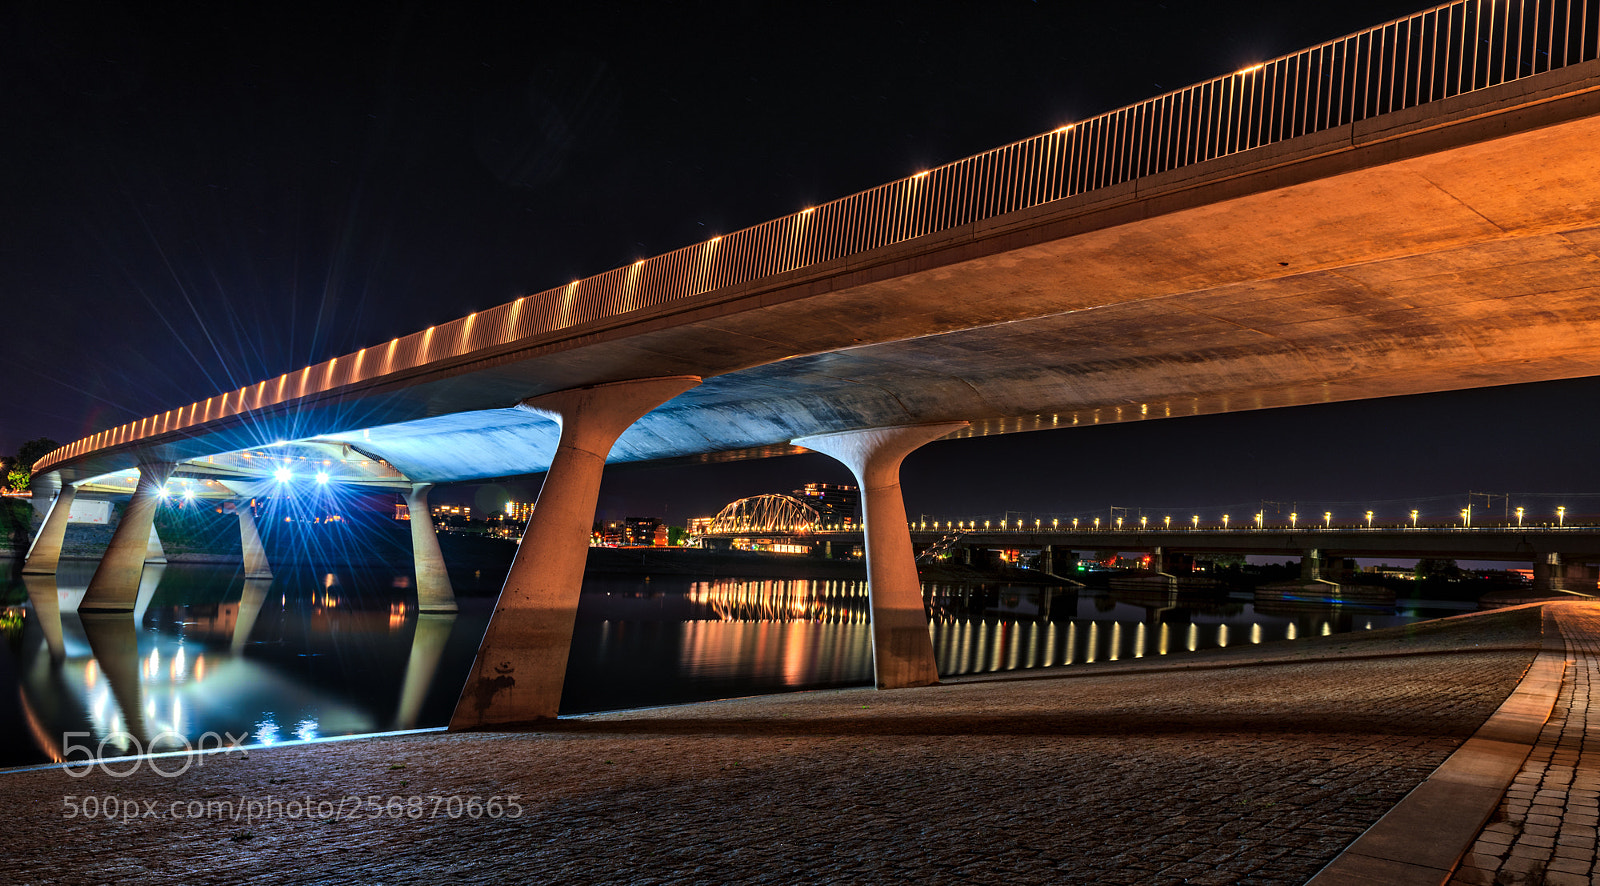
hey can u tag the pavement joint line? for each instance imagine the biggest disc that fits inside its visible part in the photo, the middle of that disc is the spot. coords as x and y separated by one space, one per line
1424 837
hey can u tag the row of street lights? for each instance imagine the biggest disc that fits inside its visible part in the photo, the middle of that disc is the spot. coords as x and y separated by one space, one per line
1166 522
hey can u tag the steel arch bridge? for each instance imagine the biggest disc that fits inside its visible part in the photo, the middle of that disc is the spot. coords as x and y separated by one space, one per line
765 514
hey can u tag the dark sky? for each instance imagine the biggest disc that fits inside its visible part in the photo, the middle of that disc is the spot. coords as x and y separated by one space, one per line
197 196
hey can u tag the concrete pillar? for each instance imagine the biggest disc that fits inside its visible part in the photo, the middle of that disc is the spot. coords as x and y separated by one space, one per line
1158 560
149 580
902 650
522 660
153 551
434 593
1552 572
255 554
1311 565
45 552
115 585
1047 559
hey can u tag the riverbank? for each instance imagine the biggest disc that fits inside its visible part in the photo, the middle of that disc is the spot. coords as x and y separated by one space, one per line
1253 764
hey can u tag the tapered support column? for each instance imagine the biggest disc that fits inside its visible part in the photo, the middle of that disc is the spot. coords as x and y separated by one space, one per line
902 650
45 553
434 593
255 554
153 551
115 585
522 661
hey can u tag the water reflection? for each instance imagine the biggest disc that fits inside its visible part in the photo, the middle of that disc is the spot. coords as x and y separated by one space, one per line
211 655
313 654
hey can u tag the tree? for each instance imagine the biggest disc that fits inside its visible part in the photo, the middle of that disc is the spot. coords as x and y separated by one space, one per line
19 470
1429 569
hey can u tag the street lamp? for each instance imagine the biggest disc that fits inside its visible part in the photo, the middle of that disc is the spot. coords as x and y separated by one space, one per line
1519 518
1466 517
1074 522
1143 520
986 524
1327 519
1414 516
1055 522
1293 519
1561 516
1197 521
1224 521
1097 522
1167 521
1258 519
1369 519
1119 522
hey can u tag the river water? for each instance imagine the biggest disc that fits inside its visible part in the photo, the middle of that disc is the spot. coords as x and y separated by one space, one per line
313 654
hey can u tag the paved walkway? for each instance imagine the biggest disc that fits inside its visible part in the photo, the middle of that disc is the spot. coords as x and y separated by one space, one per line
1544 830
1251 765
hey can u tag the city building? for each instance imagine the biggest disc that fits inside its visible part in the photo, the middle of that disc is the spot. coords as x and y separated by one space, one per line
634 532
519 511
836 503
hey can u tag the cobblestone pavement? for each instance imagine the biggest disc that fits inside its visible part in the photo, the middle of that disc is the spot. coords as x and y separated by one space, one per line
1257 768
1544 831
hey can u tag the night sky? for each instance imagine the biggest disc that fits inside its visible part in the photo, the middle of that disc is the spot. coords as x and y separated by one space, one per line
194 197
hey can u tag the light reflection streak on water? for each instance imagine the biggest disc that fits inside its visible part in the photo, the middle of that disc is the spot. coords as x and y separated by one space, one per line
1116 641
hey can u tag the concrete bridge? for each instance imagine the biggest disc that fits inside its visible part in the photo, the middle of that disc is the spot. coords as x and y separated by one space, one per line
1414 208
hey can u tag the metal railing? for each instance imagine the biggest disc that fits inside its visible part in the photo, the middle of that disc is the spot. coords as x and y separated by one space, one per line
1432 55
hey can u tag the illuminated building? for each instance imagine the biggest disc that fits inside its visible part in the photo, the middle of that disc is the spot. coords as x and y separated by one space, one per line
519 511
835 502
633 532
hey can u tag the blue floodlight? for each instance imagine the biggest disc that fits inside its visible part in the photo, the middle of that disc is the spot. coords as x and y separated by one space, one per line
282 474
322 477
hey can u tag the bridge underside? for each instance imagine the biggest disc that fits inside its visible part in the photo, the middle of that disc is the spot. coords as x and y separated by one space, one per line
1478 266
